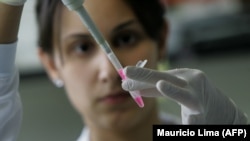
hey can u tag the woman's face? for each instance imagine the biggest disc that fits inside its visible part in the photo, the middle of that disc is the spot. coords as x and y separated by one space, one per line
92 84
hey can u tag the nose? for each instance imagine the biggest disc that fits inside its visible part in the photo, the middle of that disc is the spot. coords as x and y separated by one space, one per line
107 72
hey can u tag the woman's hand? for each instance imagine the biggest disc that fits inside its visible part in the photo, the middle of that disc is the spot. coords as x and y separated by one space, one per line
13 2
201 102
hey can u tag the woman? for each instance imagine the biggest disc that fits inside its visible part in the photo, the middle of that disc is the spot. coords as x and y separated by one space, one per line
93 85
136 30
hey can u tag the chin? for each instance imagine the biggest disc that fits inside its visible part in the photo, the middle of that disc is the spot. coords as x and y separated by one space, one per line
122 120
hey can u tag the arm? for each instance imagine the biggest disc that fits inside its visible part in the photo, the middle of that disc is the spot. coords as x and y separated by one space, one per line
9 25
10 19
10 102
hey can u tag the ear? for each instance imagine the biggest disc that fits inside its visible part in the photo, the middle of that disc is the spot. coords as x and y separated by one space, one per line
49 64
163 41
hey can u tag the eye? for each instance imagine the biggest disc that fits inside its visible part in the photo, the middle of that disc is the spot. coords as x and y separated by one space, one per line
125 39
83 47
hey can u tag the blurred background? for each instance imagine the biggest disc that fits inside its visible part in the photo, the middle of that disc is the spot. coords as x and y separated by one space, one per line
210 35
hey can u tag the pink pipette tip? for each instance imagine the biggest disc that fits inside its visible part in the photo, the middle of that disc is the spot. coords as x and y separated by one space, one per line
139 102
122 75
138 99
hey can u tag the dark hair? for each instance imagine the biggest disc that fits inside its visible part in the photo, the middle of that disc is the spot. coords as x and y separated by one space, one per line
150 14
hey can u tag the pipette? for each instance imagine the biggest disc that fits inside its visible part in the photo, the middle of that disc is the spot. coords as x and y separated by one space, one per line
77 6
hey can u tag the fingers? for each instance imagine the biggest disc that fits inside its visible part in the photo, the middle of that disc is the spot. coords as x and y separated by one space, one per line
151 76
131 85
146 89
178 94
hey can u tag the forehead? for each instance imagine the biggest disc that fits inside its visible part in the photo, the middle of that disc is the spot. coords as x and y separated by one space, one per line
106 14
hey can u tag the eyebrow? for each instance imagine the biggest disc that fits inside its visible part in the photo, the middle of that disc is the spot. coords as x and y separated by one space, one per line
78 35
89 36
124 25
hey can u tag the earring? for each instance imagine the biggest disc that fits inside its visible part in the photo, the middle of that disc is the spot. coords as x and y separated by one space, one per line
58 82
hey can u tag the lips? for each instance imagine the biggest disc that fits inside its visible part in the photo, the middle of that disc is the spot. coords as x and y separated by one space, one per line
115 98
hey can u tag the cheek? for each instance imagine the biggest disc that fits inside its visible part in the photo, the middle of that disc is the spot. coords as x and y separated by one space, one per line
78 85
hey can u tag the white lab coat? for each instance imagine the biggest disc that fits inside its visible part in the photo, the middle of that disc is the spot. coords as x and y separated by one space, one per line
166 118
10 102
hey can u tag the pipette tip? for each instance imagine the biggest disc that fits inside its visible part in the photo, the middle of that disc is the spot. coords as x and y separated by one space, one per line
139 102
122 75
